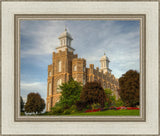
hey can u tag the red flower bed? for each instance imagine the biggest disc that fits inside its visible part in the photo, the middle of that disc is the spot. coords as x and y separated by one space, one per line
117 108
94 110
122 107
132 108
128 108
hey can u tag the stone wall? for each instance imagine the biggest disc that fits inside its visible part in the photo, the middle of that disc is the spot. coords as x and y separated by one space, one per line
72 66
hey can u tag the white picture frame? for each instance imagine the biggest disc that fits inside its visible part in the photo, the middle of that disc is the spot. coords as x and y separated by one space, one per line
9 125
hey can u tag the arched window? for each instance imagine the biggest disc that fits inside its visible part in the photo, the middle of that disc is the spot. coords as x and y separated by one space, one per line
84 81
50 89
75 68
59 82
84 69
68 42
59 66
49 73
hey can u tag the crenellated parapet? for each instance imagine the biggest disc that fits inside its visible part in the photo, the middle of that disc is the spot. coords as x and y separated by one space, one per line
66 52
79 70
107 79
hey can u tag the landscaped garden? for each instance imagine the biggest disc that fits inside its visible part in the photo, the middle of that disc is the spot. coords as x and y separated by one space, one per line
103 113
92 99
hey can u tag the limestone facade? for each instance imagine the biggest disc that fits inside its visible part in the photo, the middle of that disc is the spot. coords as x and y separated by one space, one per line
66 64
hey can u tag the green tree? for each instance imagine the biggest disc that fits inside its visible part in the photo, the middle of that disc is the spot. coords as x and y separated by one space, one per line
21 104
70 93
34 103
129 88
93 93
110 97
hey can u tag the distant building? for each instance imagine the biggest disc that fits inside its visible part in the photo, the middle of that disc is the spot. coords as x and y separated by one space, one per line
66 64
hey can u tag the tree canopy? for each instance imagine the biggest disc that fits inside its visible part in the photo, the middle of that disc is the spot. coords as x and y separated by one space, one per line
110 97
34 103
21 104
129 88
93 93
70 93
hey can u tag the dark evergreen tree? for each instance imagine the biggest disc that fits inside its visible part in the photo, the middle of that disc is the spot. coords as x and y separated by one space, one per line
129 88
34 103
21 104
93 93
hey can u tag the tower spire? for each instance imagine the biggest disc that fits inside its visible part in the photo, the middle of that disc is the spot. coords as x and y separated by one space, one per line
105 63
65 41
65 28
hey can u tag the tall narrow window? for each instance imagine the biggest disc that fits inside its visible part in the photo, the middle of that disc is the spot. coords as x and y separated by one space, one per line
75 68
59 66
84 69
61 42
49 73
68 42
59 82
84 81
50 89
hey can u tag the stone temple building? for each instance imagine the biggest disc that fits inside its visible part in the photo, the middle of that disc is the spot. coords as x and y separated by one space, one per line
66 64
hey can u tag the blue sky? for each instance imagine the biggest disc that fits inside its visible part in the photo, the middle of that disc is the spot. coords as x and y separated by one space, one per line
118 39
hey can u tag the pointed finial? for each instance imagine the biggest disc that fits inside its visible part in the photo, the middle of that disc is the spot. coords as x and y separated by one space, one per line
65 28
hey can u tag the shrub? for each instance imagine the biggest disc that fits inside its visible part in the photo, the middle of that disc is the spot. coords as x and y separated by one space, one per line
95 106
80 105
119 103
73 109
113 108
67 111
57 110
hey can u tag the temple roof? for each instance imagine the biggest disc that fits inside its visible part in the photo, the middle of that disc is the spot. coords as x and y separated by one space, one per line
104 57
65 34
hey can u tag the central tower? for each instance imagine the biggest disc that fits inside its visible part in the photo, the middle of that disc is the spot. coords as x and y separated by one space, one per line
65 41
60 71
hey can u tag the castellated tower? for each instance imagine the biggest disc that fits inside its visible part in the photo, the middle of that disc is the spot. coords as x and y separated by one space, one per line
79 70
66 64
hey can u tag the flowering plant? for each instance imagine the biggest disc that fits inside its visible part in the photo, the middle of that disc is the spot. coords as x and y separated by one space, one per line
94 110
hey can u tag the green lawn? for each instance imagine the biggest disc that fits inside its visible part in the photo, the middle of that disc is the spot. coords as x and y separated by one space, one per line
101 113
111 113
